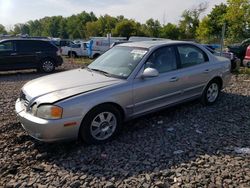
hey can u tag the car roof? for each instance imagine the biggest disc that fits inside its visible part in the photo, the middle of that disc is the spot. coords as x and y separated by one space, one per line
151 44
23 39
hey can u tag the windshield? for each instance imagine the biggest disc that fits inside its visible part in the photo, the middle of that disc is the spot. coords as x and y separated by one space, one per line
118 61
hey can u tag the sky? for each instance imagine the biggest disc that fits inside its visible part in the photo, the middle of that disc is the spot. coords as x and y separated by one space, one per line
21 11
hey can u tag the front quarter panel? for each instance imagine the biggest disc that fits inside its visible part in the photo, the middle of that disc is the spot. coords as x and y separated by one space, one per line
80 105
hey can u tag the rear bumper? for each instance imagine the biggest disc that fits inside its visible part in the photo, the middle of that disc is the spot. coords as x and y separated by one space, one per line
47 130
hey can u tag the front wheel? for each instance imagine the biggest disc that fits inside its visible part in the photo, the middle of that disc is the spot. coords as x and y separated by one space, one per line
47 66
211 93
101 124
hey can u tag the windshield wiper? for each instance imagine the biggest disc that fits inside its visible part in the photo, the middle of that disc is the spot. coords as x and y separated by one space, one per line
101 71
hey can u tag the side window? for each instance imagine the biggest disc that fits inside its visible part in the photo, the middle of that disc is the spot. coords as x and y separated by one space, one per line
163 59
6 46
44 46
191 55
24 46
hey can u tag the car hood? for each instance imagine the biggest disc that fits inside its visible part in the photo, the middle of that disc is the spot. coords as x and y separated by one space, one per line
55 87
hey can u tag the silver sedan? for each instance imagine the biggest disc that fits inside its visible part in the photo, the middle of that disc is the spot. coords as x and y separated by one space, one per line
128 81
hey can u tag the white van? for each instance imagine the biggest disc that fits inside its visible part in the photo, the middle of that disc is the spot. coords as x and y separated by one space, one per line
102 44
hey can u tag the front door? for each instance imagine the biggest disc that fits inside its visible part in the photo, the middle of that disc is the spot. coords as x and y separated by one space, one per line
156 92
8 55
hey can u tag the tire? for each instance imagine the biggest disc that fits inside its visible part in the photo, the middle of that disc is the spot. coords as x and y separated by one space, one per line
47 66
72 54
211 93
96 56
101 125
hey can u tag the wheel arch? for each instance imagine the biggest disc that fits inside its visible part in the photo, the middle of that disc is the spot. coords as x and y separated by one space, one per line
219 80
117 106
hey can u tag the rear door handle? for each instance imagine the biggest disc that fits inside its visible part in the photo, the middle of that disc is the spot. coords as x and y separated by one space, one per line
12 54
207 71
174 79
38 52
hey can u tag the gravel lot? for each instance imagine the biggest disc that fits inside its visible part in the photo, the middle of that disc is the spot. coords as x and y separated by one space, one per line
185 146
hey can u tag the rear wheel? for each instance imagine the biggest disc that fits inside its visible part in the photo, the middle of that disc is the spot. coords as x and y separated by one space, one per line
47 66
96 56
211 93
101 124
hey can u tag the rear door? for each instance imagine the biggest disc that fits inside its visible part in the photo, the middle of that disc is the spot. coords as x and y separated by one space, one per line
26 54
8 55
195 69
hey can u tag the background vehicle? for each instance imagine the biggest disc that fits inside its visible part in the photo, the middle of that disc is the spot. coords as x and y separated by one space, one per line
101 44
98 45
29 54
240 49
128 81
246 61
75 49
139 39
61 42
235 61
117 42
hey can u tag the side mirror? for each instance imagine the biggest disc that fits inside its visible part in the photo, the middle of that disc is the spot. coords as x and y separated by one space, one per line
150 72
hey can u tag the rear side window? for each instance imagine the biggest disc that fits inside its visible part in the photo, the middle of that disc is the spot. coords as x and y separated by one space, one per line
25 46
191 55
34 46
6 46
44 46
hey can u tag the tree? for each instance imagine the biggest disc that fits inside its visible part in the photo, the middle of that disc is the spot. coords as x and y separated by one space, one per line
93 29
170 31
22 29
237 17
2 29
204 32
153 27
210 27
190 21
125 28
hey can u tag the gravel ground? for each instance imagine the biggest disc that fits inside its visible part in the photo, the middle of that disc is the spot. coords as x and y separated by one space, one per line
185 146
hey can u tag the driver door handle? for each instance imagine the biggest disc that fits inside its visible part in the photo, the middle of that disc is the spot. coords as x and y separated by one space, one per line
12 54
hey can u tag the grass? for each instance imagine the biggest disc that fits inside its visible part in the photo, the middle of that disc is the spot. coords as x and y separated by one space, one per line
80 60
244 71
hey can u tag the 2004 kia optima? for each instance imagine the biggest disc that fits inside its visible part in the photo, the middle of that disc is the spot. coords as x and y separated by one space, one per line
129 80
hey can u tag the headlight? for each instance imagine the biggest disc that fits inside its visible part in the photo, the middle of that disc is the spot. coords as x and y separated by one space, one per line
47 111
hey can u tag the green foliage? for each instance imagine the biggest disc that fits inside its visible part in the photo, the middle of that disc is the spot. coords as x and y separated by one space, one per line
237 16
190 21
170 31
235 13
2 29
125 28
153 28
